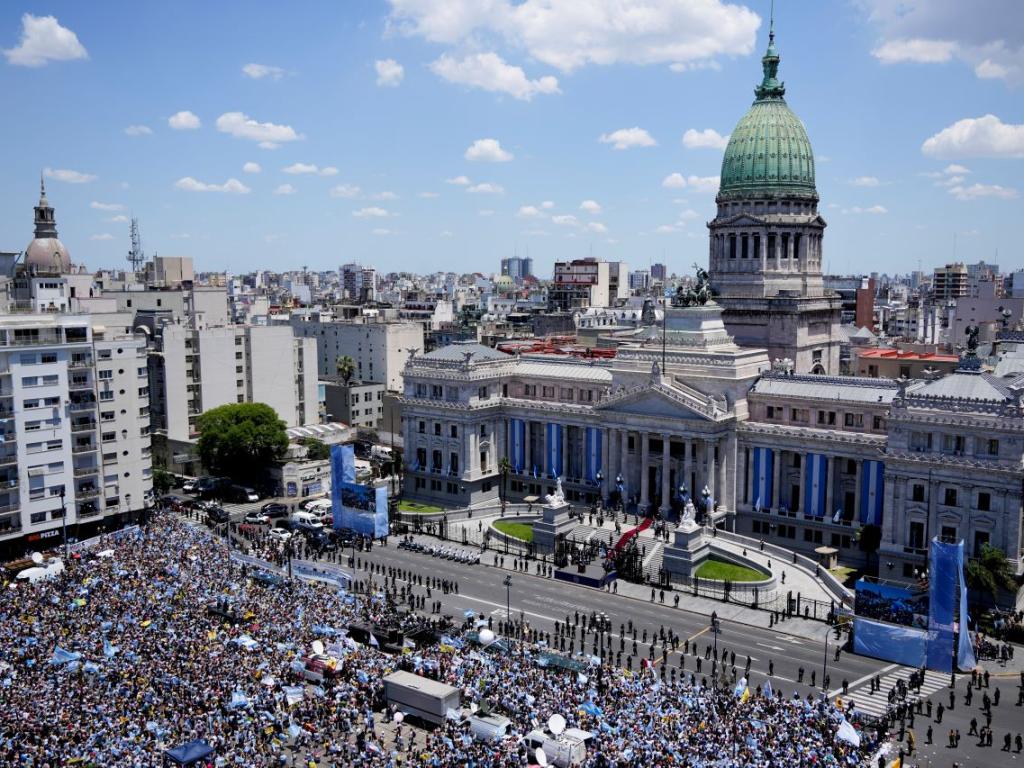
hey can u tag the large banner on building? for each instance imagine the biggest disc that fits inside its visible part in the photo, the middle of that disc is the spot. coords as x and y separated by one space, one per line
946 586
592 453
360 508
517 447
762 478
815 484
553 449
872 492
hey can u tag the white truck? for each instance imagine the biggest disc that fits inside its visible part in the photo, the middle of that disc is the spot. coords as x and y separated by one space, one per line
567 749
420 696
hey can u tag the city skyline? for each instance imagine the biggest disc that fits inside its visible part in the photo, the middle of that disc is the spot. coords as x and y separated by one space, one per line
401 132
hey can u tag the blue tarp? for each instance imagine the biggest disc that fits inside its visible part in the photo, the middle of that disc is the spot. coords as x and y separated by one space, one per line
892 642
188 754
943 590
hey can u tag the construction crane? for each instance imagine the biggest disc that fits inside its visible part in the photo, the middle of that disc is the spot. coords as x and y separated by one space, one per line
135 256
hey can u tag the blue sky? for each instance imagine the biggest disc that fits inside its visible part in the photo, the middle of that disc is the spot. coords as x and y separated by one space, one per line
446 134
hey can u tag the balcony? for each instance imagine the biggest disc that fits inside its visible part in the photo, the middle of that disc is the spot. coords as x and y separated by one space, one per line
84 448
86 471
9 483
87 510
9 508
83 494
75 363
82 405
78 385
8 460
83 426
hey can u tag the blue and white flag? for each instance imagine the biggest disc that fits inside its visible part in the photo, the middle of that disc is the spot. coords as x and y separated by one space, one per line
848 733
762 478
815 484
767 689
872 492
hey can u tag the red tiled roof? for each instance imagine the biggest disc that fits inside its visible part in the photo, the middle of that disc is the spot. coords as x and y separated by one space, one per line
895 354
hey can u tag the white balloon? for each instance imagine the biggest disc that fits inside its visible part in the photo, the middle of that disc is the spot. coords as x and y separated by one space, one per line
486 637
318 647
399 717
542 758
556 724
37 558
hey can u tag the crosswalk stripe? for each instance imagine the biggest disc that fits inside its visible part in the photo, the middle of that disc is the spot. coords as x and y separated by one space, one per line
877 704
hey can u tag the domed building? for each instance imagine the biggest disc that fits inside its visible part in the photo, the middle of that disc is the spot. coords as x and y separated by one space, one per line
46 254
766 239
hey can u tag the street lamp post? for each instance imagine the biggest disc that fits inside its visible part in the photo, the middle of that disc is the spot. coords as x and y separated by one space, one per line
508 605
64 523
714 631
128 504
824 670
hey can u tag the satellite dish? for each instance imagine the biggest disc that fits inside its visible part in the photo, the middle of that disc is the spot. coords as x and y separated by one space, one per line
486 637
542 758
37 558
318 647
556 724
398 717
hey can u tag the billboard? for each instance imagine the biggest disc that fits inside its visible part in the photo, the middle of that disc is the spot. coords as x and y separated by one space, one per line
356 507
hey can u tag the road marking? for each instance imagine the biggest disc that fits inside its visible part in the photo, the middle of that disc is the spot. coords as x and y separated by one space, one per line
699 634
871 675
772 647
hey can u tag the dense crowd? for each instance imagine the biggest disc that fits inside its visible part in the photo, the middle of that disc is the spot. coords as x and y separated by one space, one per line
159 641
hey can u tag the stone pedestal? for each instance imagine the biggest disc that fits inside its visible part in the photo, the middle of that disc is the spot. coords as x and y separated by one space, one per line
555 521
687 551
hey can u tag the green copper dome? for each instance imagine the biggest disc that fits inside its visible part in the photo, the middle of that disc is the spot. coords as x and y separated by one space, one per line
769 154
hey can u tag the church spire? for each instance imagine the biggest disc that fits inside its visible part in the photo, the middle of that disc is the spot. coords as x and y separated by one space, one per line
770 87
42 190
45 221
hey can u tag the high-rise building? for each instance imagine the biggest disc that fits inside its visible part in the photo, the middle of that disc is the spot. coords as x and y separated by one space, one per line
659 272
640 280
950 281
766 240
517 267
583 283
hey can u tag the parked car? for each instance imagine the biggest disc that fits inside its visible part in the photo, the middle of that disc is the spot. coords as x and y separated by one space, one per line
210 487
274 510
239 494
189 485
217 516
280 534
256 518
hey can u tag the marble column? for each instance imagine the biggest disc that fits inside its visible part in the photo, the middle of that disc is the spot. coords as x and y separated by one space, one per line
666 472
566 463
709 458
606 448
688 466
776 501
644 459
623 469
528 448
763 251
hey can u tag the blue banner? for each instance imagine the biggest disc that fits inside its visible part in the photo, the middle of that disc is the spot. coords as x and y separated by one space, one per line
762 478
943 592
965 651
815 484
872 492
553 449
517 444
904 645
593 446
356 507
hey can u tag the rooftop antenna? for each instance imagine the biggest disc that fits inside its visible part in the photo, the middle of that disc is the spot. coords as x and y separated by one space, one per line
136 257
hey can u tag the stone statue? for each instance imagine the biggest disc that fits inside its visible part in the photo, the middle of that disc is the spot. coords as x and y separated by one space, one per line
696 296
689 515
972 332
557 498
647 316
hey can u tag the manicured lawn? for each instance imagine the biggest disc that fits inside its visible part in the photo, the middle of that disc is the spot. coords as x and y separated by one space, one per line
414 506
720 570
846 576
521 531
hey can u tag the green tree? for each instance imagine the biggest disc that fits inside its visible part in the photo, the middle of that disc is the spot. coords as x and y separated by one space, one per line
346 367
241 439
989 572
869 537
315 449
162 482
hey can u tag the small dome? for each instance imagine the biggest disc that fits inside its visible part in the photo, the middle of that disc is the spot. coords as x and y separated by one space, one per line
769 154
48 255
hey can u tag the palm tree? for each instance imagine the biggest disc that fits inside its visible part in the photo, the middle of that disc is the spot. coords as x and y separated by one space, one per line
989 572
346 367
504 467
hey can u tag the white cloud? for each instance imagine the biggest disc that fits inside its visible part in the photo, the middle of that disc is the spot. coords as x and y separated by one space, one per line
699 183
976 191
371 212
459 181
118 219
625 138
598 227
69 176
184 121
259 71
301 168
570 35
667 229
269 135
709 138
345 190
486 188
104 236
285 189
547 205
447 233
986 136
591 206
916 50
231 186
688 214
251 167
43 39
566 220
382 231
674 181
389 72
385 195
530 212
990 70
955 168
487 151
489 72
876 209
428 195
98 206
865 181
486 212
138 130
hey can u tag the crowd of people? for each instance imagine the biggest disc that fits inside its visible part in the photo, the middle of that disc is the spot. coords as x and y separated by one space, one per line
153 638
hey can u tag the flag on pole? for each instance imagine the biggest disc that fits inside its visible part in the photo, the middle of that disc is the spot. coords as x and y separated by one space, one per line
848 733
767 689
837 516
757 505
373 641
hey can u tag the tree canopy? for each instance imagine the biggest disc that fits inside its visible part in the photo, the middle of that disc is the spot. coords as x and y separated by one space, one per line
240 439
316 449
989 572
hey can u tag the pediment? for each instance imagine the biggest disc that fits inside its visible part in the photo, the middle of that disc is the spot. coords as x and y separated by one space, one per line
657 400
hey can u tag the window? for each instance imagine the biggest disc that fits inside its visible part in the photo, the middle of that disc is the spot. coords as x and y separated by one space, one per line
437 429
586 396
530 390
453 463
37 517
483 430
436 391
436 461
106 375
827 418
904 372
949 497
855 420
773 412
548 392
980 540
565 393
984 501
953 444
421 390
483 393
106 395
109 437
920 441
917 492
421 458
949 534
799 415
993 447
877 423
453 431
915 536
423 427
483 461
